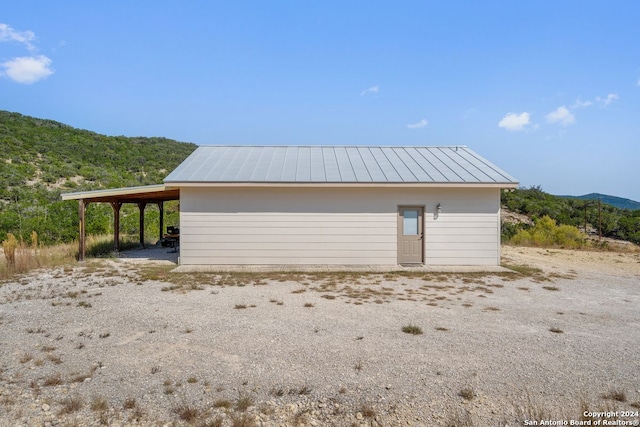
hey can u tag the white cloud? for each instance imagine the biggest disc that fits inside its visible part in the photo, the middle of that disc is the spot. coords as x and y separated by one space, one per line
24 69
514 121
608 100
27 69
373 89
581 104
8 34
422 123
562 116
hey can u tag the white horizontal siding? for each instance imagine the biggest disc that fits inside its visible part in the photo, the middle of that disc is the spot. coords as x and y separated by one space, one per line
442 238
466 231
267 259
297 239
333 226
285 226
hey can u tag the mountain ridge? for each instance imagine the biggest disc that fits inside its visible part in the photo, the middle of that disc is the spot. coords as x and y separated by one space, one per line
618 202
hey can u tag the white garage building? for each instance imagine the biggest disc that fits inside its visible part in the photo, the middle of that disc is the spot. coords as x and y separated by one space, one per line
337 205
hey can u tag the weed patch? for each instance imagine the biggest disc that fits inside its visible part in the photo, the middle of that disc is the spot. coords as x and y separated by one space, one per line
187 412
243 403
70 405
412 329
616 394
467 393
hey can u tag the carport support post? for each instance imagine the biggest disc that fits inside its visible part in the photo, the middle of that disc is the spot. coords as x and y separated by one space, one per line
81 229
116 225
161 209
141 207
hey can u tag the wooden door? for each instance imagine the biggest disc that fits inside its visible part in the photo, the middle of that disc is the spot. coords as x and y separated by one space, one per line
410 234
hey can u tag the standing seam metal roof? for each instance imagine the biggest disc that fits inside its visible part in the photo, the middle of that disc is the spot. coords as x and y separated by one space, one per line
337 164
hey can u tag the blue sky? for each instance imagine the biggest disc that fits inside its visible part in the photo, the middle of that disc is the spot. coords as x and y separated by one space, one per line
547 90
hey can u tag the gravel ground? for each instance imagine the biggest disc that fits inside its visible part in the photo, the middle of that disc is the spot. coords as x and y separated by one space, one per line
125 342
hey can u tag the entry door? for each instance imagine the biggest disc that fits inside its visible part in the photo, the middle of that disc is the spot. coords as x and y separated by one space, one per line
410 234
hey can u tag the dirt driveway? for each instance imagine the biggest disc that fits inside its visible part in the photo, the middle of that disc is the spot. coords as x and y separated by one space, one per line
113 342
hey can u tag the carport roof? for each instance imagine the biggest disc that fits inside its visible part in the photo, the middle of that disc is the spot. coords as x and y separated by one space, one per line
144 194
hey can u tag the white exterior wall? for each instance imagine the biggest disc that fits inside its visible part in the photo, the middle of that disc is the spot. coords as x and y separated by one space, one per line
284 225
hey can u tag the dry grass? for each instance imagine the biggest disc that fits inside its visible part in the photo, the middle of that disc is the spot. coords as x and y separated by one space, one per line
26 357
30 257
616 394
467 393
412 329
222 403
99 403
71 404
242 420
459 419
367 410
187 412
243 403
52 380
536 274
129 403
215 422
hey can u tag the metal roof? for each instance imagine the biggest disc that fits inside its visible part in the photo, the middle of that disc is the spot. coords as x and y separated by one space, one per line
337 164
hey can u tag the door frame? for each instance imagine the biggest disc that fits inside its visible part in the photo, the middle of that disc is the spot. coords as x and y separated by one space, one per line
421 227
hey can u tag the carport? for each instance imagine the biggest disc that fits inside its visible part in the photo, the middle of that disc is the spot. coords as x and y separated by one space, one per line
140 196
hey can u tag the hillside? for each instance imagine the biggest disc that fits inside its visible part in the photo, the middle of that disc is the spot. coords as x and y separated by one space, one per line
43 158
616 223
617 202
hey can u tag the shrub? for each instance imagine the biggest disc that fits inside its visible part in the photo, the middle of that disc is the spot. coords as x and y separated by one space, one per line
9 247
546 233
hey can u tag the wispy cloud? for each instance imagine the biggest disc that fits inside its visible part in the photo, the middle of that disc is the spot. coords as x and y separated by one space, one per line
561 115
608 100
372 90
422 123
581 104
470 112
24 69
8 34
515 122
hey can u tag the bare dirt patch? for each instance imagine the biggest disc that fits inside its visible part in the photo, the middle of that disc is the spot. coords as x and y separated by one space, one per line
121 343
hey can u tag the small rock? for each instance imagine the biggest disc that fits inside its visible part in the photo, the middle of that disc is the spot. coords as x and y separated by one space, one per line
359 416
45 407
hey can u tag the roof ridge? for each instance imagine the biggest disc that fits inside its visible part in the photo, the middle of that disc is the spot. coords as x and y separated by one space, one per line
330 145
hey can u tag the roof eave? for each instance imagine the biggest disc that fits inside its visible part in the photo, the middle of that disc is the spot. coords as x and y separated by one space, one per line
190 184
